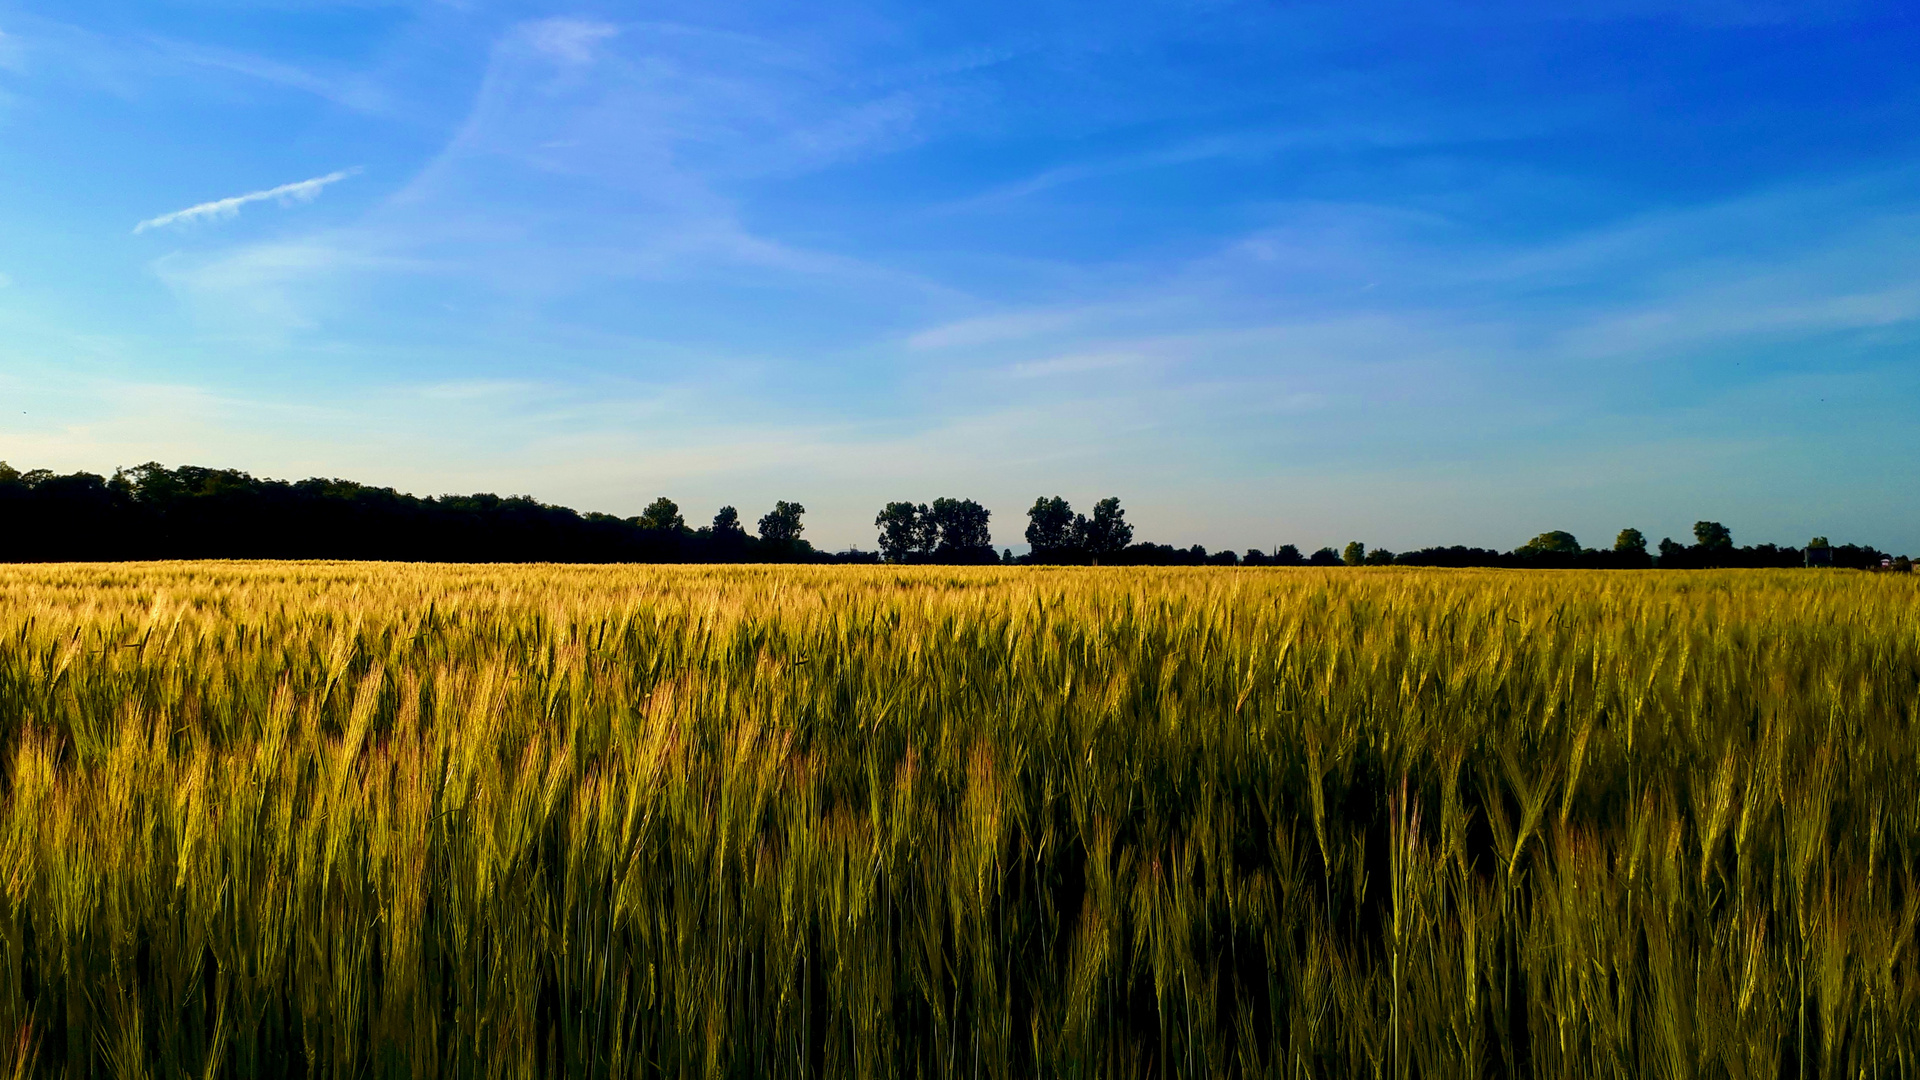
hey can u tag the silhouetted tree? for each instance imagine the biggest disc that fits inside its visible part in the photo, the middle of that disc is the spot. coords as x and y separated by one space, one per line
1556 549
726 523
951 531
781 525
1629 553
1050 528
1556 542
1288 555
1672 555
1711 535
662 513
1105 534
1326 556
1379 557
901 535
961 528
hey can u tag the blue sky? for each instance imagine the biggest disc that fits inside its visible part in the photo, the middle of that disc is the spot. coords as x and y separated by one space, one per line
1404 272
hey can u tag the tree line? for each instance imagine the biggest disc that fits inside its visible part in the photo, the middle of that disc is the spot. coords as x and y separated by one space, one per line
1712 548
153 512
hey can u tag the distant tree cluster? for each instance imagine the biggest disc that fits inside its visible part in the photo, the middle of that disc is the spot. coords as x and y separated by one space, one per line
153 512
948 531
1712 548
1058 535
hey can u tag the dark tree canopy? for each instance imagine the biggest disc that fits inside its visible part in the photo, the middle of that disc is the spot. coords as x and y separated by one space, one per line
662 513
1556 542
1106 533
900 534
1050 526
1058 535
949 531
781 525
962 530
1711 535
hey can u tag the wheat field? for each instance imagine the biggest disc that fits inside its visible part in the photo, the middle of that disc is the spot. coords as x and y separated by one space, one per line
379 820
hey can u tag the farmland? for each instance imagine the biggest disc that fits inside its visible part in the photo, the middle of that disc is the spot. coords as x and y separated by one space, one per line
371 820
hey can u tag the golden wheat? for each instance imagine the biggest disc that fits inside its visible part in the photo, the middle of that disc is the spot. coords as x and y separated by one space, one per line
355 820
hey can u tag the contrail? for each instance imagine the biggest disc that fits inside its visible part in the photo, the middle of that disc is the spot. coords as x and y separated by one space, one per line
304 191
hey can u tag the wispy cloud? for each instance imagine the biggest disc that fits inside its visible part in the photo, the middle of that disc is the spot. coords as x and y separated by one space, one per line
569 40
649 132
1075 364
267 292
172 58
1005 326
1245 144
287 194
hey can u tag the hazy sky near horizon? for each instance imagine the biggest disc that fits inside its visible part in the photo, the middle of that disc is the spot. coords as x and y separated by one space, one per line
1411 273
